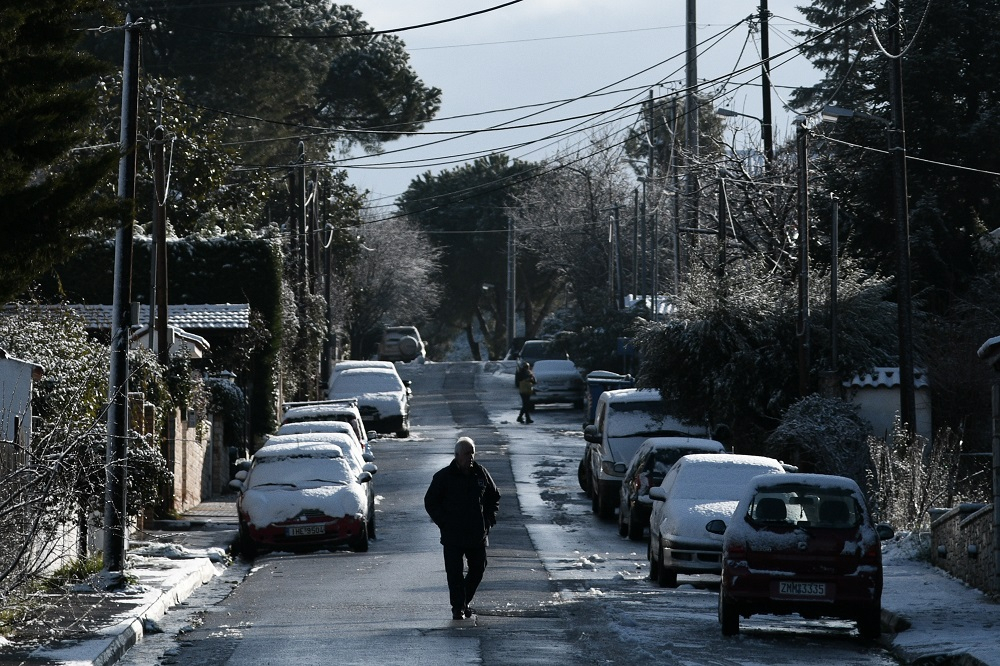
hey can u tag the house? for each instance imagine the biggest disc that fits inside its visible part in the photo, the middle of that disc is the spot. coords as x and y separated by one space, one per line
877 398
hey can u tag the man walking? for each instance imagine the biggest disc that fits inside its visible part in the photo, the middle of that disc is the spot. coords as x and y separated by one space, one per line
463 501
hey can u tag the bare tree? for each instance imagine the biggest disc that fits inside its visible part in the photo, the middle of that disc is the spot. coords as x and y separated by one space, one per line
390 281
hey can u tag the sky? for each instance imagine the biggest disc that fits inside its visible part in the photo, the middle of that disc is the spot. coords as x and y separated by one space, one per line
549 63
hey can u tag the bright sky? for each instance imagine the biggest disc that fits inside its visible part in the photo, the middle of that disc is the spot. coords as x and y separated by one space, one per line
533 55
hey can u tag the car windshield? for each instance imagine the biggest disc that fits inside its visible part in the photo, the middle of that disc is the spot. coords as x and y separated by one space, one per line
353 382
648 417
299 471
806 506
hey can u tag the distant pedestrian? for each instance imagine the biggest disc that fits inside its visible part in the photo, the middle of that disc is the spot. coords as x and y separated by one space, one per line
463 501
525 387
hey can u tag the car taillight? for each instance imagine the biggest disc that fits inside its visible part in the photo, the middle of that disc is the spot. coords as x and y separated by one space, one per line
736 550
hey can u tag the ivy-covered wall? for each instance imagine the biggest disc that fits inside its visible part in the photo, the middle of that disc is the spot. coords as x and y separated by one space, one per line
199 271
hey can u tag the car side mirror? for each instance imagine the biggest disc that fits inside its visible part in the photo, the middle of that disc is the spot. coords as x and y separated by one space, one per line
364 477
885 531
241 475
657 493
243 464
368 456
716 526
236 485
371 468
591 434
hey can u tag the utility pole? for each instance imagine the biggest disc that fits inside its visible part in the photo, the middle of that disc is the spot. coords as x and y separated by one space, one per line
765 82
723 221
691 116
802 146
619 294
897 150
158 304
511 285
115 500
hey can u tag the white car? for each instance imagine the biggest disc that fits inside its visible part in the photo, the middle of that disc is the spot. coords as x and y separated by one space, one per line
329 410
350 447
699 488
298 428
300 497
557 381
383 398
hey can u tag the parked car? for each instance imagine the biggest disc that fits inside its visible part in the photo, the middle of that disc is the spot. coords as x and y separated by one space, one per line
624 419
558 381
324 427
328 410
648 466
301 497
401 343
802 543
533 351
349 446
383 398
698 488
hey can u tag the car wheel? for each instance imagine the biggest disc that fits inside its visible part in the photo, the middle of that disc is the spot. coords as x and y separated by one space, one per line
595 501
371 523
360 545
622 526
729 617
635 529
870 624
248 548
665 577
605 505
654 566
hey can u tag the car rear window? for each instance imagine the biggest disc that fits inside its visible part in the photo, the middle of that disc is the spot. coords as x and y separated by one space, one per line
806 506
358 382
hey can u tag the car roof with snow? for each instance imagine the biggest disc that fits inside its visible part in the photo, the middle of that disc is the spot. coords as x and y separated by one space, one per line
285 450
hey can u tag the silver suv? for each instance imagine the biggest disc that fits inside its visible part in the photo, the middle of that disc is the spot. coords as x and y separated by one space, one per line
401 343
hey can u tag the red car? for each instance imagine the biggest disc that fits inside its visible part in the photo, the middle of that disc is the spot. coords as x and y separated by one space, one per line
806 544
301 497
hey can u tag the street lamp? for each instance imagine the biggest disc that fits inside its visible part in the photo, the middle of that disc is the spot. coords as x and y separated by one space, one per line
904 307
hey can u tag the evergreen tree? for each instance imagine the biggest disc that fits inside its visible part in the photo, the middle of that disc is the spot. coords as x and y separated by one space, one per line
950 100
49 196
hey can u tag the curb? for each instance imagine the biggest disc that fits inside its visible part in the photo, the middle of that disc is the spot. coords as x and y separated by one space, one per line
118 639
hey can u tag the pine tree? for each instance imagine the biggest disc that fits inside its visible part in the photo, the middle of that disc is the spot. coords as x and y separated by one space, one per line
48 194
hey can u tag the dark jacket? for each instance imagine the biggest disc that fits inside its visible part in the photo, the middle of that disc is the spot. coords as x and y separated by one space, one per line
464 506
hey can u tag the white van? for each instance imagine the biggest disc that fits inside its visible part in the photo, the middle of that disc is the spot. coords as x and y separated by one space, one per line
624 419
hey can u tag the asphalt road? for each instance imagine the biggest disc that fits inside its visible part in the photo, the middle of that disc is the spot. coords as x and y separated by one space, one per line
561 587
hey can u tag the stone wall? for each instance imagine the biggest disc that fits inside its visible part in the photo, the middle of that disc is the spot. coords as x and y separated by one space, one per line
962 544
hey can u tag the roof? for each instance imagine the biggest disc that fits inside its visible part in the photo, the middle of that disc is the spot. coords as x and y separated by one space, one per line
886 378
218 316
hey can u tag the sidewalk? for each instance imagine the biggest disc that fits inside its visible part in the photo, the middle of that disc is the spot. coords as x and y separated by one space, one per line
168 561
928 616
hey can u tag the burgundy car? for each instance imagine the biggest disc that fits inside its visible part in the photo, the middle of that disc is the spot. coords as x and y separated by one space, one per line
301 496
805 544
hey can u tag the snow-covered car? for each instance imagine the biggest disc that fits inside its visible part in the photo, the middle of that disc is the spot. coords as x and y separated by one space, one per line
699 487
302 428
340 366
558 381
624 419
301 497
533 351
329 410
348 444
802 543
649 465
383 398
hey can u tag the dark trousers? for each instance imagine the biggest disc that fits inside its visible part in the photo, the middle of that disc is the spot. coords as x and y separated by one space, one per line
526 407
462 586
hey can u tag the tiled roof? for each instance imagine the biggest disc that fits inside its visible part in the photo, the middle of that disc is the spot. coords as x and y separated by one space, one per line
222 316
886 378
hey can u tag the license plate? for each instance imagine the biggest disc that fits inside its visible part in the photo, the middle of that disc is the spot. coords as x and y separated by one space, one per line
305 530
802 589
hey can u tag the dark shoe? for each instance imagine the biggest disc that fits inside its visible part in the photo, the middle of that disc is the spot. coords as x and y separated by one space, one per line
520 419
529 421
457 615
467 611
